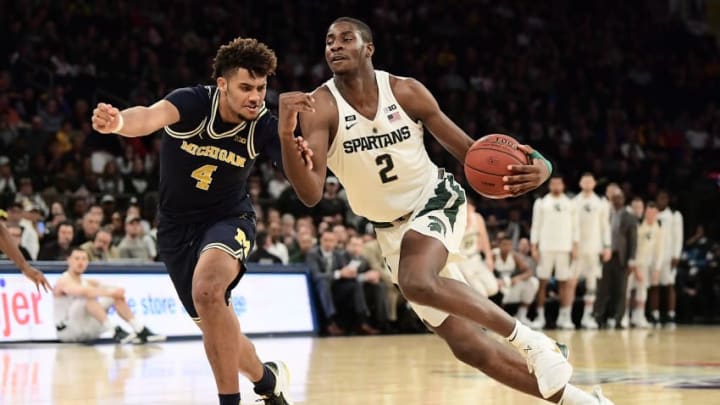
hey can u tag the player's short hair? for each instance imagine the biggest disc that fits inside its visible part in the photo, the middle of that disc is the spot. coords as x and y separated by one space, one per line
365 31
650 204
246 53
587 174
74 249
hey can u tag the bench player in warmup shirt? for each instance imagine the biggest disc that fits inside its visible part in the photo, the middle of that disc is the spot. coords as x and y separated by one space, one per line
212 136
367 127
593 227
81 306
517 282
477 270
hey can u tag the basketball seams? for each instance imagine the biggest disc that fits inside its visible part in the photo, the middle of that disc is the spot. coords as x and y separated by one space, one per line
514 157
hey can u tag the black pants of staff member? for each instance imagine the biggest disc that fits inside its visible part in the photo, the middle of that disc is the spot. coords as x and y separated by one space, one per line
611 292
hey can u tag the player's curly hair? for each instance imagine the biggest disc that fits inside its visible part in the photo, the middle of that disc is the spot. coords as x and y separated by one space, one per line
247 53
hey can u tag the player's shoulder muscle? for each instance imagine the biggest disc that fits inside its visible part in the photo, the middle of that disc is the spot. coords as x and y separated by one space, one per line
192 105
414 97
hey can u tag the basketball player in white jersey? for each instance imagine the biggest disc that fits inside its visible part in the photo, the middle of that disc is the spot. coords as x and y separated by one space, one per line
593 242
367 127
554 237
517 282
671 223
477 272
648 260
81 305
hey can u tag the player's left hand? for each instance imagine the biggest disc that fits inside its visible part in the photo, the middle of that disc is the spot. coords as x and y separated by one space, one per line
527 177
306 153
37 277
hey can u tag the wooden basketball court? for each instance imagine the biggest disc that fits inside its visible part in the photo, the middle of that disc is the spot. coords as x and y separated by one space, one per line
634 367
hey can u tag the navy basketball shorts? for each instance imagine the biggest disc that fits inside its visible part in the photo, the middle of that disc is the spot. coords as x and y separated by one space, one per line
180 247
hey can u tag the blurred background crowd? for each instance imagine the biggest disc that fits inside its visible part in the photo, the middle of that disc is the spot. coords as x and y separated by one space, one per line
624 90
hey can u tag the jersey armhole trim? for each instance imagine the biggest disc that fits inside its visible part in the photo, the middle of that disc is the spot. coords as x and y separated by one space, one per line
252 154
188 134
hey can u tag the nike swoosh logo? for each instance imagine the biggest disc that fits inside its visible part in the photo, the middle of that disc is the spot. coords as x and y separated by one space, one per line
348 126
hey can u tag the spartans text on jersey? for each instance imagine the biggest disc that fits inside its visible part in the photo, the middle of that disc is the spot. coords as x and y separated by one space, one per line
376 141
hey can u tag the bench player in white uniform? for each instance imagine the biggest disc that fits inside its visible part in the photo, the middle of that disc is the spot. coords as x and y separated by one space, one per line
648 260
477 272
671 223
593 242
517 282
81 305
367 126
554 238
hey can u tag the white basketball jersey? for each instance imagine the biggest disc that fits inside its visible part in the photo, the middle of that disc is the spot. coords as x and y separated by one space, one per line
593 223
506 267
381 162
469 244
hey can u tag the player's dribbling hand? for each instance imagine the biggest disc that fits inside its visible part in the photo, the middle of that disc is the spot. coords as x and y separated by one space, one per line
105 118
37 277
527 177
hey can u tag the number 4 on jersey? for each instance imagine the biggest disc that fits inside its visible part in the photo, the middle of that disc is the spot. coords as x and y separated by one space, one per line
203 175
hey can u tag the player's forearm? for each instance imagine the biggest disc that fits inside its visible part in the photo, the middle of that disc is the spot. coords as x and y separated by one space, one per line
136 121
307 183
458 146
7 245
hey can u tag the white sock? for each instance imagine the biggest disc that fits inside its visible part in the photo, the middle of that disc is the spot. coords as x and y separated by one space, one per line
671 314
587 313
520 335
136 324
656 314
638 314
575 396
540 313
565 313
522 312
108 324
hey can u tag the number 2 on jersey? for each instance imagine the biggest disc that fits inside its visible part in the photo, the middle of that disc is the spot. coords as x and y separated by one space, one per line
386 160
203 175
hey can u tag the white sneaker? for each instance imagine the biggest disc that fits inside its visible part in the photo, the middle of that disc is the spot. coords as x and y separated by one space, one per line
670 325
625 322
641 323
565 324
524 320
547 359
538 323
588 322
602 400
611 323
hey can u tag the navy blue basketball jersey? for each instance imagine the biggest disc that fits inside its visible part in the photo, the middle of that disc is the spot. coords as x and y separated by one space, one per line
205 162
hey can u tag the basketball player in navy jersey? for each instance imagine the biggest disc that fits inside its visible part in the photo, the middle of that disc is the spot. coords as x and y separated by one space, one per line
9 247
211 138
367 127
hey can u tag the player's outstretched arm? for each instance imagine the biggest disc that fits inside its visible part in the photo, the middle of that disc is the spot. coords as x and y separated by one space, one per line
7 245
304 158
134 121
417 101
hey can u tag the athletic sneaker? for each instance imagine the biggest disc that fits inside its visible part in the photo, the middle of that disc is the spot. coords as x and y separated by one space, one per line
640 322
565 324
602 400
279 395
123 337
547 359
588 322
147 336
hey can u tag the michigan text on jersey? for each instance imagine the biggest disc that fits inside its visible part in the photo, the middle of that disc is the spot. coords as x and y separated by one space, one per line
213 152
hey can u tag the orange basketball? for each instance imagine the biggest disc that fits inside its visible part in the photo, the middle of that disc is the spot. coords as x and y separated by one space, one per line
486 163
